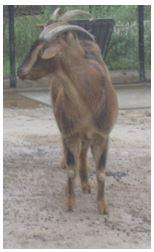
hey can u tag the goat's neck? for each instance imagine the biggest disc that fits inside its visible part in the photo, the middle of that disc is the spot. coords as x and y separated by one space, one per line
71 70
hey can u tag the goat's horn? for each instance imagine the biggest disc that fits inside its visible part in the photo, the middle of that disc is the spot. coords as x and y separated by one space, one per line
49 34
73 13
40 26
54 17
55 14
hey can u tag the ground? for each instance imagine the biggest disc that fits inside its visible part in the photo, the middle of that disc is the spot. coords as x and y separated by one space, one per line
34 182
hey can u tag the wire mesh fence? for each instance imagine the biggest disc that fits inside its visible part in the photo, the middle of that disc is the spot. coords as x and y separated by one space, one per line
124 45
123 49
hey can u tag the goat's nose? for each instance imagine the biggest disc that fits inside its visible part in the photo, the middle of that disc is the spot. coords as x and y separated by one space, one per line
20 73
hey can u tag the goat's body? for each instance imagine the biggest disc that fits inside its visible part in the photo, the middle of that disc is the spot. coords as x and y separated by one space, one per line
91 106
84 101
85 107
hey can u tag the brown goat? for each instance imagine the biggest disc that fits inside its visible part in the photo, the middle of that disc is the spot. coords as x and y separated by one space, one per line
84 100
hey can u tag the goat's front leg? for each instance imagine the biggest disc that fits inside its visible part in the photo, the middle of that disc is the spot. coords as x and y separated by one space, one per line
99 150
71 152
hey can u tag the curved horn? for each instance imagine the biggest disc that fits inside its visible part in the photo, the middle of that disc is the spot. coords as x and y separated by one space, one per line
73 13
49 34
54 17
55 14
40 26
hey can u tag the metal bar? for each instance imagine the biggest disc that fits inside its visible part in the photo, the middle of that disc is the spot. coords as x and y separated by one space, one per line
109 34
12 46
141 42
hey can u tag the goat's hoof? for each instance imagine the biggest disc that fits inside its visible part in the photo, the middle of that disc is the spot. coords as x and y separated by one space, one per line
70 202
86 187
102 207
63 166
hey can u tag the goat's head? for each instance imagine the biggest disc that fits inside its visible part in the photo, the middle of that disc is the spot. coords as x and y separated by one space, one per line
57 38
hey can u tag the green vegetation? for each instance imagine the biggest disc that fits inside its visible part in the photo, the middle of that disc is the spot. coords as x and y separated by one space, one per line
123 48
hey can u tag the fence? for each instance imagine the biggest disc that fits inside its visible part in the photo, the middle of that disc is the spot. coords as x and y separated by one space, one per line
129 47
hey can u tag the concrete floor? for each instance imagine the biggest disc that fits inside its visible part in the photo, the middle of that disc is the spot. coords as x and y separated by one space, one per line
34 183
129 97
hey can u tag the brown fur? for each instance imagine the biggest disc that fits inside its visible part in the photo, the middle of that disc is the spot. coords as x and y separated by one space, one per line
84 104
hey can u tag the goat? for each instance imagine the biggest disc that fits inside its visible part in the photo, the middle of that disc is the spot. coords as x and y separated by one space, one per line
84 100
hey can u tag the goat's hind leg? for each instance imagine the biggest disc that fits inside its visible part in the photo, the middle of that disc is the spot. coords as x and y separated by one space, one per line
83 167
99 150
71 153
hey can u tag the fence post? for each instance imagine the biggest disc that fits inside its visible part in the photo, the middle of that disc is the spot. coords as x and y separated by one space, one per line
141 42
90 9
12 46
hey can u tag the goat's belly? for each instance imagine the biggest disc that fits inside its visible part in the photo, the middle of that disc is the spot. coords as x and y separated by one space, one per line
103 125
104 122
87 125
90 129
104 119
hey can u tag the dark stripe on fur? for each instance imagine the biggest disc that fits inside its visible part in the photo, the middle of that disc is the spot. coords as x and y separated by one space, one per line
103 159
70 158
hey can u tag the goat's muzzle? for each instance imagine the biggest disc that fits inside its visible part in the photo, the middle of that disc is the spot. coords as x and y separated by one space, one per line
21 74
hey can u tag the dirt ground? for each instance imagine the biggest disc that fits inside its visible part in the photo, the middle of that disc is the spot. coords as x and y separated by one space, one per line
34 213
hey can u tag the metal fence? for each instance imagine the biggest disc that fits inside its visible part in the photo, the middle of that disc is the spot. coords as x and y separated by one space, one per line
128 48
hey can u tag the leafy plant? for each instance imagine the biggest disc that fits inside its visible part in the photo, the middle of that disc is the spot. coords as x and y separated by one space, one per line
123 48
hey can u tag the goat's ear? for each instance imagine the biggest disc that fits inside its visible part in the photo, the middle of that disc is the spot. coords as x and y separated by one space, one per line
71 38
41 26
50 52
73 41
